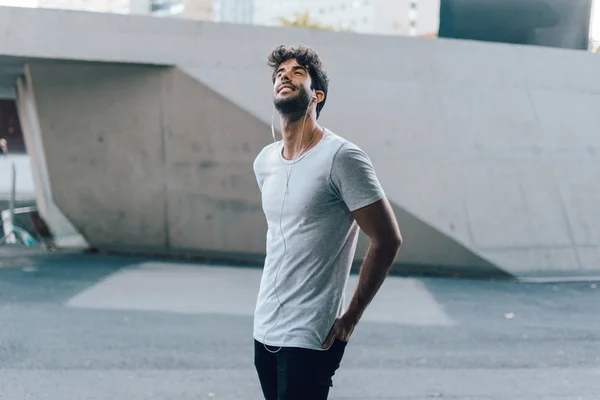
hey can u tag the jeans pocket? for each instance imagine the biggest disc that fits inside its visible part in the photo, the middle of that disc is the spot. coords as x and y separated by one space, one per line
334 359
337 350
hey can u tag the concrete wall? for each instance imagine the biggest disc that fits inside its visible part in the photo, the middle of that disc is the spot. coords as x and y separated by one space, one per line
149 159
491 149
105 179
210 144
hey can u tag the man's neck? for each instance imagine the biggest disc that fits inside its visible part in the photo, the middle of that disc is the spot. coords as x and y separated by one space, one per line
299 134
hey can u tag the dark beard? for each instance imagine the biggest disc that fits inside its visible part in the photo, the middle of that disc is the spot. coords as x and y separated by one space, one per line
294 107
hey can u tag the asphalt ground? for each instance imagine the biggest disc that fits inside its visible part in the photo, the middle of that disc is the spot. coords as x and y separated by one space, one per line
76 326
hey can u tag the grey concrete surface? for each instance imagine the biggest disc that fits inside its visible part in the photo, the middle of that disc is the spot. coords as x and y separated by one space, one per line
184 173
166 163
105 162
63 233
74 327
487 151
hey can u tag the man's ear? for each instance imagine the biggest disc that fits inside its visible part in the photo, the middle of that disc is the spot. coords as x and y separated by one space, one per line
320 95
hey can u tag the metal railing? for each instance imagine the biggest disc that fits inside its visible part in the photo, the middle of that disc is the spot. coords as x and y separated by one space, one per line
12 233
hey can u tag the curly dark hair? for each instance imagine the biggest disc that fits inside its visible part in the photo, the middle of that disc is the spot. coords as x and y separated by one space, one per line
309 59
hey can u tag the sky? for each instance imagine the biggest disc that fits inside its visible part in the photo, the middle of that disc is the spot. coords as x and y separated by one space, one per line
595 26
18 3
595 29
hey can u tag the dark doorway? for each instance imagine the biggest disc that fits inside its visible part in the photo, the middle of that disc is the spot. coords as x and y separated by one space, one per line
10 127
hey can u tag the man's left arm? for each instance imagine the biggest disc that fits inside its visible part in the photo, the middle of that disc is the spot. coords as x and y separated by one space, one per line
378 222
354 178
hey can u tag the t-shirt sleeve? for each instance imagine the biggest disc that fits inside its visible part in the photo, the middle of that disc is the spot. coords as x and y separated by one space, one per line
258 166
353 178
255 167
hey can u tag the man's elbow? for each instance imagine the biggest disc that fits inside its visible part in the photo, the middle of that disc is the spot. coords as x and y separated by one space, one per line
396 241
395 237
390 242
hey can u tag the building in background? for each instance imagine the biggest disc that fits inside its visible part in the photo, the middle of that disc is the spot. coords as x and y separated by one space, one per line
234 11
387 17
111 6
384 17
201 10
405 17
191 9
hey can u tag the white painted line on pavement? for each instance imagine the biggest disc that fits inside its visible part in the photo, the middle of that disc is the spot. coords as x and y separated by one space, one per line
560 279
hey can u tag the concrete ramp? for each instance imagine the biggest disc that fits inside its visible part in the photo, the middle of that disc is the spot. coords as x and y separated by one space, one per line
427 250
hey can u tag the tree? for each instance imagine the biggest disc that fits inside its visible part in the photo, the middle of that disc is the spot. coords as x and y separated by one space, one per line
302 20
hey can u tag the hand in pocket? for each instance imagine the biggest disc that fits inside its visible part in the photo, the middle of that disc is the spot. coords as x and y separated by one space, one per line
342 330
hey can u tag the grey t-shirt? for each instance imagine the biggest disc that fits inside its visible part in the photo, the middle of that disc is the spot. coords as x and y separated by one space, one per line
311 237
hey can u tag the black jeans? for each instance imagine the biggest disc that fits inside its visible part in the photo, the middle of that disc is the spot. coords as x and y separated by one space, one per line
295 373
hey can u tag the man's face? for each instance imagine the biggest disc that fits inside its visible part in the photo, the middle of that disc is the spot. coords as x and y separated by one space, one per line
292 93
